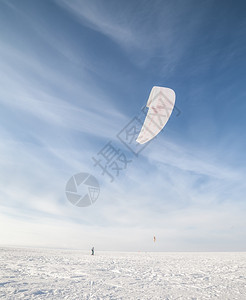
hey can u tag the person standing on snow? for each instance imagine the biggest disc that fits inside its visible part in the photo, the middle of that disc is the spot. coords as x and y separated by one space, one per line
92 251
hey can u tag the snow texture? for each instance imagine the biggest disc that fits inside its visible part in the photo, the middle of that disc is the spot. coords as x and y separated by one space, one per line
72 274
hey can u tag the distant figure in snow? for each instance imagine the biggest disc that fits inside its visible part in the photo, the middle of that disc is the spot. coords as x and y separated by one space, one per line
92 251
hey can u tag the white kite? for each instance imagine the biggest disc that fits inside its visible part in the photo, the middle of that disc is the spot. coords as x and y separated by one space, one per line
160 103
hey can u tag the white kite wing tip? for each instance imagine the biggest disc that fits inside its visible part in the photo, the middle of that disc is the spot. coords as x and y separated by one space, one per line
169 91
156 90
142 141
139 141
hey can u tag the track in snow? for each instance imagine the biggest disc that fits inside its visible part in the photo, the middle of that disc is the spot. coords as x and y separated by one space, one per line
70 274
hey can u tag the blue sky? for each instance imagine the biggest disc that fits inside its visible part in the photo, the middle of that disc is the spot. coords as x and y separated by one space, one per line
73 74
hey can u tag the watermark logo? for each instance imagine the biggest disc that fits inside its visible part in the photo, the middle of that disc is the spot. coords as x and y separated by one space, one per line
82 189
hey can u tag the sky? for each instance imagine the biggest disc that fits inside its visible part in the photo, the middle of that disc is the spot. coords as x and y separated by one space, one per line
74 74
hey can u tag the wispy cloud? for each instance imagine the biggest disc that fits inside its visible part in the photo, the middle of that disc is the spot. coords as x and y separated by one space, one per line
91 114
131 27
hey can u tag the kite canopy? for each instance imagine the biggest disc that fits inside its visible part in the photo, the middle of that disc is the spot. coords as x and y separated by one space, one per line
160 103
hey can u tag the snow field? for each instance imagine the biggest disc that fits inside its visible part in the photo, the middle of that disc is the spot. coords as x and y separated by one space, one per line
71 274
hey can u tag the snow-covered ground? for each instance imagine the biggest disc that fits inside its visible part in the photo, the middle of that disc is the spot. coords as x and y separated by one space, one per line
70 274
